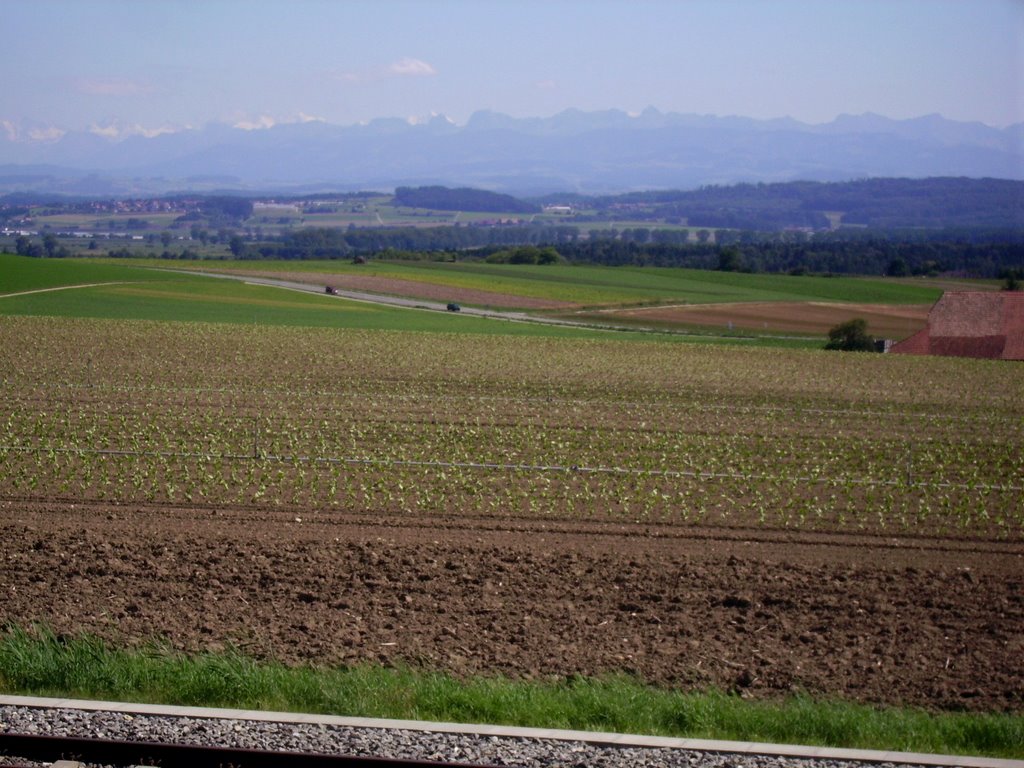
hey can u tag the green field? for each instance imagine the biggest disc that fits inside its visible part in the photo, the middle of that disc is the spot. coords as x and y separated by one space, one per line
147 289
89 222
592 286
371 212
113 290
19 274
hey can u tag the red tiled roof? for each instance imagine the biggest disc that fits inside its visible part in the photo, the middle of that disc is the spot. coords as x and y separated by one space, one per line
1013 319
967 313
990 347
917 344
983 324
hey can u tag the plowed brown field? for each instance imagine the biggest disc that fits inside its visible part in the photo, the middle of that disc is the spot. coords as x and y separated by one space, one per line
884 320
925 622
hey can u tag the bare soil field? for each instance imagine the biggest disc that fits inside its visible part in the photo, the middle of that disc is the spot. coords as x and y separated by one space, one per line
934 623
884 321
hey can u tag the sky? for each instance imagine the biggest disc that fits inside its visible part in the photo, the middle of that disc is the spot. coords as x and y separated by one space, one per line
121 66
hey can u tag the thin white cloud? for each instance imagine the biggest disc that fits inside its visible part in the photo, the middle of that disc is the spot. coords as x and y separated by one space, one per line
404 67
546 85
113 87
409 67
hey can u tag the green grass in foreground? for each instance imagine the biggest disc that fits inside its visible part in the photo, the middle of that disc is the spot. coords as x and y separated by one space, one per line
41 663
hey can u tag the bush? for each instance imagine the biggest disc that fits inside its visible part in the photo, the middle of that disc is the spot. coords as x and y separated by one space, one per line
851 336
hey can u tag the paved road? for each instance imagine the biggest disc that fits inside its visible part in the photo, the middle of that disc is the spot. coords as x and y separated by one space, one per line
436 306
395 301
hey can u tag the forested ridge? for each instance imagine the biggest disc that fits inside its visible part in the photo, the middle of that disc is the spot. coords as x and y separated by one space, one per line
877 203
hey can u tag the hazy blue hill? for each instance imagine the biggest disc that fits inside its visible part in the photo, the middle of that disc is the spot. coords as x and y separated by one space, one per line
591 152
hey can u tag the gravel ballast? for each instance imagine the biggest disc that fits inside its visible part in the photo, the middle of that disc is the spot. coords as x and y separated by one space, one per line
379 742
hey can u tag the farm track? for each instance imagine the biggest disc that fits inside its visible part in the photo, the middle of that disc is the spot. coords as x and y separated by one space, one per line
389 299
60 288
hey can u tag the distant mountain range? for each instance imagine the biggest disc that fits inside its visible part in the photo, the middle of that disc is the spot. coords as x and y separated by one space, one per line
573 151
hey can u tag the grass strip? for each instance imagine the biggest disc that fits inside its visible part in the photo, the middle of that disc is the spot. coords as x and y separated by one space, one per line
40 662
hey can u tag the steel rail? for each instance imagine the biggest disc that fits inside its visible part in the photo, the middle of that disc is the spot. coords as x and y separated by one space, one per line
135 753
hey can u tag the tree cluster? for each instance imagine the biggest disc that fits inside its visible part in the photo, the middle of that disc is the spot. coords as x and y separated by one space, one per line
49 247
851 336
462 199
527 254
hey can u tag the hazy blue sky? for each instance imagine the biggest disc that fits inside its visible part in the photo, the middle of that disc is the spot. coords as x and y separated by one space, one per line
162 63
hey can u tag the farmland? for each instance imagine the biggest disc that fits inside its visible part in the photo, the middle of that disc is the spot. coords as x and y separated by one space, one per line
208 466
752 309
601 286
606 440
759 521
114 290
667 299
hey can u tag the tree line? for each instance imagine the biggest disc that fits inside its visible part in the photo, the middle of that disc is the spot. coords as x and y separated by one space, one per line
875 203
971 254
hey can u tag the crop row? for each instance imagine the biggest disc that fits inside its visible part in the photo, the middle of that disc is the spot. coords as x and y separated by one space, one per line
74 405
634 449
391 489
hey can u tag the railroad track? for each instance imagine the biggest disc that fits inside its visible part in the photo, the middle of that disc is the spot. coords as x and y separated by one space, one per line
109 752
117 734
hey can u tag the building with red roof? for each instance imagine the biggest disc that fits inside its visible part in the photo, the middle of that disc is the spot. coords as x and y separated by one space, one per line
985 324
